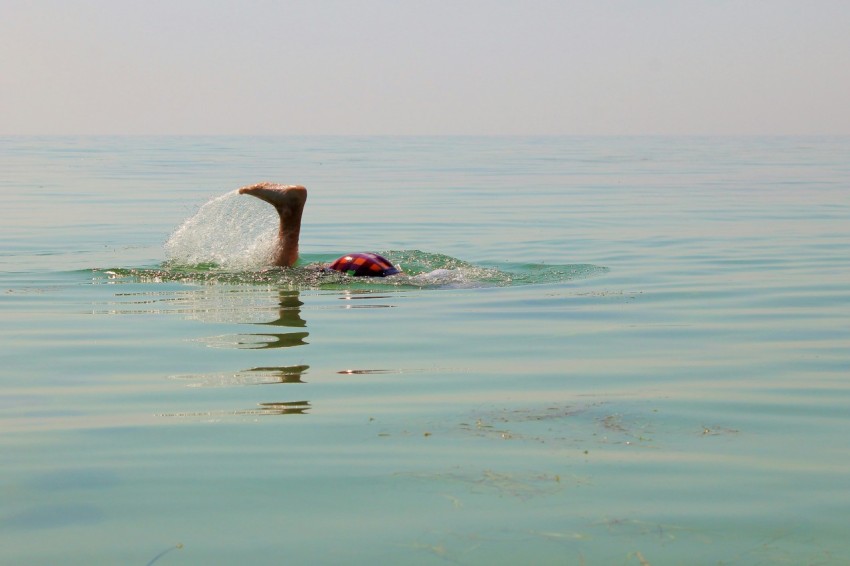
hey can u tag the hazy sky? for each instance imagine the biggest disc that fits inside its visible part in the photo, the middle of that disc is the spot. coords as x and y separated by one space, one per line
425 67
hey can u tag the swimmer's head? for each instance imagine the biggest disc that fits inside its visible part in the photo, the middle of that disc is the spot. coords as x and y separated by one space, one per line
364 264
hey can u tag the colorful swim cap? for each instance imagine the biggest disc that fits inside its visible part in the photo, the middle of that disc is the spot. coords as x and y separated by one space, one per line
364 264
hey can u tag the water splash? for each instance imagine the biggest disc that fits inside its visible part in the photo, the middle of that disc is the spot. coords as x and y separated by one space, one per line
231 232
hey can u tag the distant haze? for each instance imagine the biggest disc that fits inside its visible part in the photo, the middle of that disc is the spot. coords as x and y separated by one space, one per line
425 67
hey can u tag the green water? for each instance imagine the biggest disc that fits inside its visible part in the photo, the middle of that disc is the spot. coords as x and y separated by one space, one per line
634 350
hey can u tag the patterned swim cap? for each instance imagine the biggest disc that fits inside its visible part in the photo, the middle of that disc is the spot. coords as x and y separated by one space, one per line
364 264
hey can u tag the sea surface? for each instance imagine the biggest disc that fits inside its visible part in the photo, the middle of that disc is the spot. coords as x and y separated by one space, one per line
603 350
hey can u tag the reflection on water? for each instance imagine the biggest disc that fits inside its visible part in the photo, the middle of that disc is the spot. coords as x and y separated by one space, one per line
259 342
262 409
222 304
288 315
253 307
209 303
253 376
360 294
269 311
288 374
284 408
290 311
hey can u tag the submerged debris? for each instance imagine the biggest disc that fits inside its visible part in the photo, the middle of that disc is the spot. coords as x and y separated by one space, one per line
178 546
522 485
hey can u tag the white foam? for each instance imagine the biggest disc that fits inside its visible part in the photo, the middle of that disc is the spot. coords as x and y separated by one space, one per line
230 231
455 278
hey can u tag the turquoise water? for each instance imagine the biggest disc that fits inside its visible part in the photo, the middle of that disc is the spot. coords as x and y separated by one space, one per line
634 351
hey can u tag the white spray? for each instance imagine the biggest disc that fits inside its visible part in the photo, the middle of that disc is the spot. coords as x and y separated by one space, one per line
229 231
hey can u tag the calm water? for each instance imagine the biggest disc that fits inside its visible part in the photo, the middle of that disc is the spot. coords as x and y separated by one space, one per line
637 353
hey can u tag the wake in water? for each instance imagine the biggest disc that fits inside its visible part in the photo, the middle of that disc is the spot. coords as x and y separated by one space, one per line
231 240
447 272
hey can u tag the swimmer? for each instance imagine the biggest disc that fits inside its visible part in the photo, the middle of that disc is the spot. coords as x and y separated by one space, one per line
289 202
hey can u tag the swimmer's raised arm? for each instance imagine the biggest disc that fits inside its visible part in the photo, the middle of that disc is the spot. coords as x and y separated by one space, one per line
289 202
